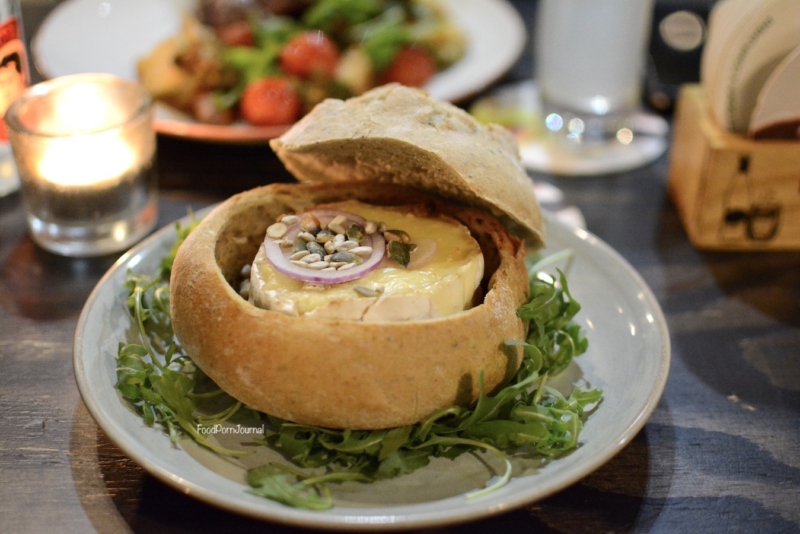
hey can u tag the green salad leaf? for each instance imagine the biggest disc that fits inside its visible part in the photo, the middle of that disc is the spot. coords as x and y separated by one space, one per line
526 417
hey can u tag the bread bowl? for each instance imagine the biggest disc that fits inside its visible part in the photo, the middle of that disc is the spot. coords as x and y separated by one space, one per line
390 147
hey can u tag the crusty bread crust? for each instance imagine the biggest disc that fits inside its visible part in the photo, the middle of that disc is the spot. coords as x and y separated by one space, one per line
341 374
402 135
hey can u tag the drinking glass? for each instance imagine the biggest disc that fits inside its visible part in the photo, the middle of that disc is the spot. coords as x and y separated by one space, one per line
590 59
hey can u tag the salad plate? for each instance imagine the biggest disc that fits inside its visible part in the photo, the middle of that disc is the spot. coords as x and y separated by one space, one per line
110 36
628 358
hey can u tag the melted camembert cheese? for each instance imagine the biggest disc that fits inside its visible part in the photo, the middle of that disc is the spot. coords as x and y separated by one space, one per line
443 286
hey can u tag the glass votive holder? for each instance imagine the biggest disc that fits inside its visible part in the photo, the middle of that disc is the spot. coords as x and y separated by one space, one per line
85 150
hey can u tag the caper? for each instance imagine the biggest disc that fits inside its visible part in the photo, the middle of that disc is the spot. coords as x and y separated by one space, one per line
399 252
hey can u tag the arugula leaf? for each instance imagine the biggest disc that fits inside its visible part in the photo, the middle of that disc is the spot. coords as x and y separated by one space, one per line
159 380
272 482
327 15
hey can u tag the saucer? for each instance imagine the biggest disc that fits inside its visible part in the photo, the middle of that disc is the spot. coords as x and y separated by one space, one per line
517 107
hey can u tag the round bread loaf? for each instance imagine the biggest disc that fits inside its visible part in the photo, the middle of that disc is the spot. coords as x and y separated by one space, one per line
333 373
401 135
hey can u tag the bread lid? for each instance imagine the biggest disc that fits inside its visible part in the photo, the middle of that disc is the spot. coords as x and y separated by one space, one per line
404 136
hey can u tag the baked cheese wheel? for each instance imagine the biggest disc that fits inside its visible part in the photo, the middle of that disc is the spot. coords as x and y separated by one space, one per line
342 373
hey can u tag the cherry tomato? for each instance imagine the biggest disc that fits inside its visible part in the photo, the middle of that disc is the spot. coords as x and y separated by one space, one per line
237 33
308 53
412 66
270 102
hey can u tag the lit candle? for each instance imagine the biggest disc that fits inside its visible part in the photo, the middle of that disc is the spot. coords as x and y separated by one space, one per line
78 162
84 146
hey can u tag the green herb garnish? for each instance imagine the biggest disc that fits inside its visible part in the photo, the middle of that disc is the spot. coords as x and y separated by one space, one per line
526 416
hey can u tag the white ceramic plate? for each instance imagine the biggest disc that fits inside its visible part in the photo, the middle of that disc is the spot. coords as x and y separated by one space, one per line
110 35
628 358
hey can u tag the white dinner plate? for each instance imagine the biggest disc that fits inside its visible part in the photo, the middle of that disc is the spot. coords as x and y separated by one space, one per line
628 357
110 35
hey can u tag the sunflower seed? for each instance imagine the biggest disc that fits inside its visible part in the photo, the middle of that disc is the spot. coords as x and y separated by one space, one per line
346 246
277 230
397 235
307 236
324 236
365 291
300 254
364 252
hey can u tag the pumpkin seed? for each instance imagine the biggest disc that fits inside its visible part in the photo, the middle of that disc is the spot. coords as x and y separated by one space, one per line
315 248
346 257
355 232
299 244
398 252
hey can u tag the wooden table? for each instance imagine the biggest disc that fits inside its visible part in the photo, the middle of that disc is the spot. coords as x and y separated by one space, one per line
721 453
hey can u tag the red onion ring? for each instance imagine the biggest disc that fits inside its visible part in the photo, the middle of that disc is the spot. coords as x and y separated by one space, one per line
424 253
279 257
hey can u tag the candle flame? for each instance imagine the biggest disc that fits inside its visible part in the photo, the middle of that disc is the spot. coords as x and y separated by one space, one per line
79 161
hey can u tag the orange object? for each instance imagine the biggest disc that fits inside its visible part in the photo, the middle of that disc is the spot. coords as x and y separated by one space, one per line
412 66
270 102
309 53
